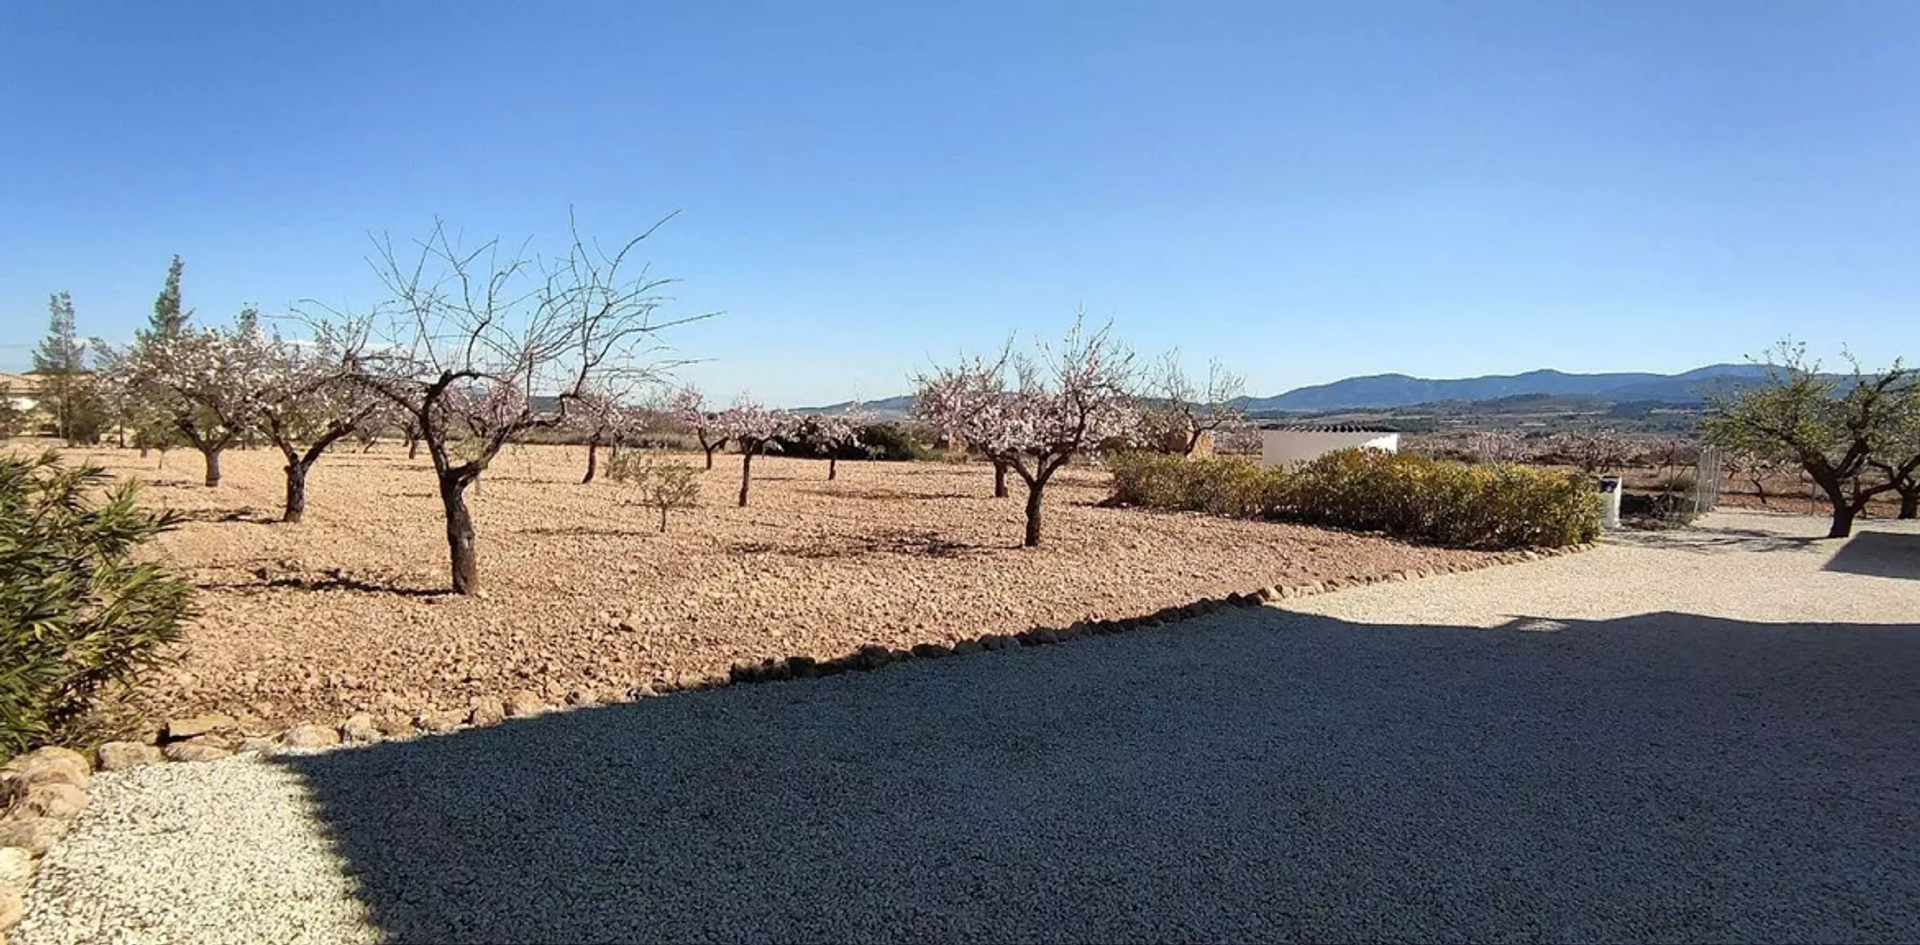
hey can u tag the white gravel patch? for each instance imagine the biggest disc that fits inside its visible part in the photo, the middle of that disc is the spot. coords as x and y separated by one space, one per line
1718 743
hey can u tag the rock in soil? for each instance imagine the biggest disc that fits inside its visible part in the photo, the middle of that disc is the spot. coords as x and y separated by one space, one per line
36 835
524 703
13 905
178 729
188 751
56 800
310 736
119 756
360 727
50 765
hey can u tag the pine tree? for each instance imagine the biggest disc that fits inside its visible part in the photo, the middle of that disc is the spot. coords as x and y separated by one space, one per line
168 317
61 363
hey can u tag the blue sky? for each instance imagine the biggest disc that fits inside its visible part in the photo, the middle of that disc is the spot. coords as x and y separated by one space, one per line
1306 191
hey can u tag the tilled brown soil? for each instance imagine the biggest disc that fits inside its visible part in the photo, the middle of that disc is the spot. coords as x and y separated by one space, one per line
346 612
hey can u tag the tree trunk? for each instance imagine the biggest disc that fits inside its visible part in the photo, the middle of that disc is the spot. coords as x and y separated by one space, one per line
746 474
466 568
832 461
296 491
413 447
663 520
593 461
1034 489
710 450
143 451
213 466
1843 515
1910 504
999 479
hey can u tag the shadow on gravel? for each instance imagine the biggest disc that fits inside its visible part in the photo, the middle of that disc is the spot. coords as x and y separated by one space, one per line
1879 554
1254 775
1710 539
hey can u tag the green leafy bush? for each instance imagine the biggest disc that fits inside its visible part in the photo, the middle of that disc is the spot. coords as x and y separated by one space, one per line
80 618
1447 502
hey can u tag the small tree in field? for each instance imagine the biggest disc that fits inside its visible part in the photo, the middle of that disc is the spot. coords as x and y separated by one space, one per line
306 406
1060 402
603 420
942 401
1831 428
755 428
206 383
836 432
1756 469
1183 412
67 387
478 346
689 406
662 485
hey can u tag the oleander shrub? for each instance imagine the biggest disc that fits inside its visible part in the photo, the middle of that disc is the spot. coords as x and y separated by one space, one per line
1419 497
81 616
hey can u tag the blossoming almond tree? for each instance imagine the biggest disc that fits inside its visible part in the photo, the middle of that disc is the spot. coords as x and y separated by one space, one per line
689 406
1059 402
478 346
838 431
305 407
754 427
941 404
207 383
604 419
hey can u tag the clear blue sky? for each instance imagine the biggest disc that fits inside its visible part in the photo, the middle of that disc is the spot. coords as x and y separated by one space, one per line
1308 191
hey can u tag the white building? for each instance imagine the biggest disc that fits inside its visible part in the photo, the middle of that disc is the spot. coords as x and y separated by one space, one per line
1288 444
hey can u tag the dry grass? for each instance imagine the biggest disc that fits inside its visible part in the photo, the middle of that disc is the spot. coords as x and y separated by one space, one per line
345 613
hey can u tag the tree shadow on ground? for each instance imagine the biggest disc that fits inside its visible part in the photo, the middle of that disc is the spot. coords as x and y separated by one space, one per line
1255 775
1879 554
1710 539
921 543
892 495
325 583
228 516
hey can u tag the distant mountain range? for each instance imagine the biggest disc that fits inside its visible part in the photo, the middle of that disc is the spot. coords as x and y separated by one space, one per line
1384 391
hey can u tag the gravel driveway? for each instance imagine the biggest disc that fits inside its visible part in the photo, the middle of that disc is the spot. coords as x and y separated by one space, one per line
1710 735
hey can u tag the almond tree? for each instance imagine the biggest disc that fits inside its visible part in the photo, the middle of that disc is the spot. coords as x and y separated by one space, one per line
603 420
477 346
1492 446
941 403
207 383
1756 468
1594 451
835 432
689 406
1059 403
1182 412
306 406
1899 461
1831 427
755 428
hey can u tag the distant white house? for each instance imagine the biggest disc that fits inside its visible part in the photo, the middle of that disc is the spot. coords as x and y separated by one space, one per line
1287 444
23 390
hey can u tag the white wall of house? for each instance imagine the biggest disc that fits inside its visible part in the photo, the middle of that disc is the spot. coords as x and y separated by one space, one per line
1286 447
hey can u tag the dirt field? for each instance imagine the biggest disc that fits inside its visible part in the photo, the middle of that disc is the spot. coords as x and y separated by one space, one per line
345 613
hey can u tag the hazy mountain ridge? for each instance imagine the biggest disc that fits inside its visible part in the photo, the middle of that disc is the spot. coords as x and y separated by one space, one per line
1382 391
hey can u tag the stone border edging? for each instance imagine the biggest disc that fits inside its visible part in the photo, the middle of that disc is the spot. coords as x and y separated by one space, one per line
43 790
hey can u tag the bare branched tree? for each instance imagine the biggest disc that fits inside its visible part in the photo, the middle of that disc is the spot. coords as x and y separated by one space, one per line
1183 413
477 346
305 406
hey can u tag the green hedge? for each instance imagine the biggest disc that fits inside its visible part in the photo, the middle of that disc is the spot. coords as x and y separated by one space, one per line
1450 503
81 615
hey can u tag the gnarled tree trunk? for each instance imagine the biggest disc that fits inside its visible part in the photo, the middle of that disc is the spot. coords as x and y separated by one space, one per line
832 463
460 550
999 479
1910 504
296 506
593 460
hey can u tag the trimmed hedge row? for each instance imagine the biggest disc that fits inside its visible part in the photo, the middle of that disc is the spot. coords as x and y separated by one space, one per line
1450 503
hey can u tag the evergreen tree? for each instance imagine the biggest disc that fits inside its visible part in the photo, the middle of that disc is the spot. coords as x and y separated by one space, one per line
66 387
168 317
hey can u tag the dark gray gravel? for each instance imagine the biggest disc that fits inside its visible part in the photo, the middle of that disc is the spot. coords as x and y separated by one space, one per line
1258 775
